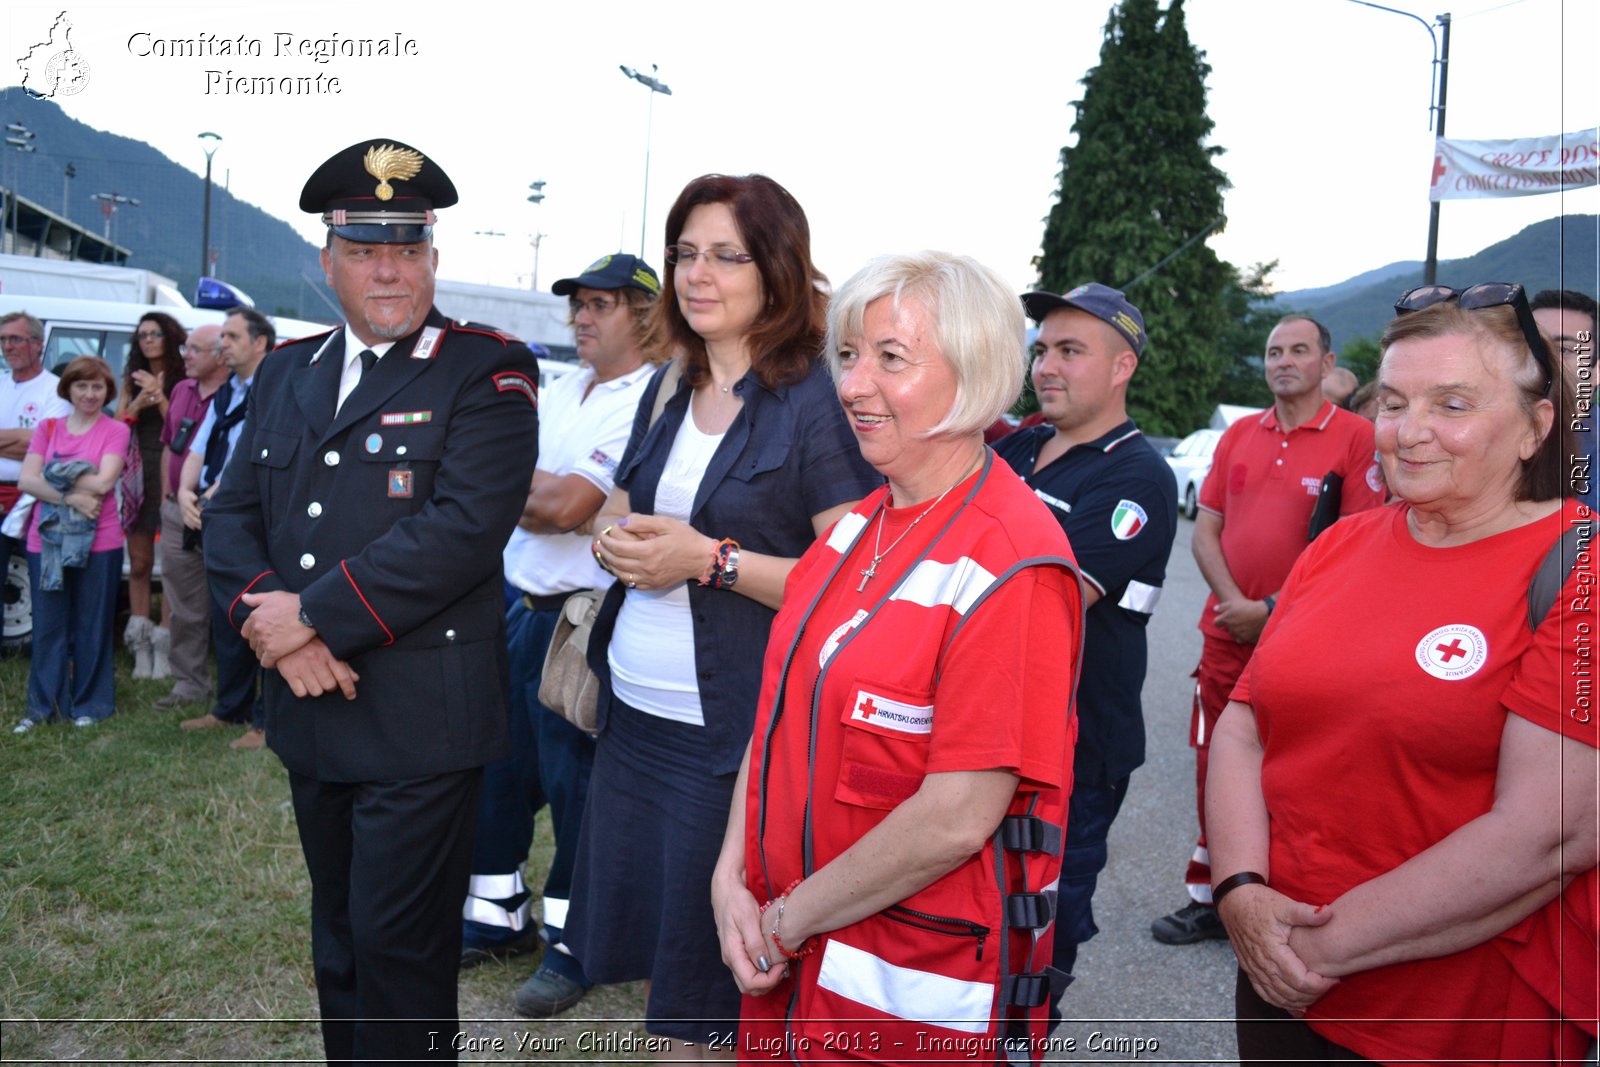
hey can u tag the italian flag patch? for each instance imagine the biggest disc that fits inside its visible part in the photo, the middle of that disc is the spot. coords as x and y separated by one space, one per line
1127 520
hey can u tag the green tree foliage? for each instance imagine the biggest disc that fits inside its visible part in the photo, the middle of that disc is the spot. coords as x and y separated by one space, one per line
1251 316
1138 182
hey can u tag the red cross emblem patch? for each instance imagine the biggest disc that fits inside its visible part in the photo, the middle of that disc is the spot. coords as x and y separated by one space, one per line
1453 652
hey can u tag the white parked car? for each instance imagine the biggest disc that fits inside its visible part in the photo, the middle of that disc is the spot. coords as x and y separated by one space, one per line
1191 462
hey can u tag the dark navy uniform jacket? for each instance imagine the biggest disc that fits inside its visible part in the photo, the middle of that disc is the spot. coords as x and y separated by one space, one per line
388 519
1116 499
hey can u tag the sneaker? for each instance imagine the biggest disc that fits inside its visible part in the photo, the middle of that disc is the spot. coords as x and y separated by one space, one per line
521 945
83 720
1190 923
547 993
24 726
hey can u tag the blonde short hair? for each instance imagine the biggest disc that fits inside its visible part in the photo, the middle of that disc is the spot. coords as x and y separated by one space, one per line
978 326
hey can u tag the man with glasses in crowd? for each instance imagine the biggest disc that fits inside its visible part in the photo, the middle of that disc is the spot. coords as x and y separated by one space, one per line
1254 520
246 338
585 419
183 569
27 397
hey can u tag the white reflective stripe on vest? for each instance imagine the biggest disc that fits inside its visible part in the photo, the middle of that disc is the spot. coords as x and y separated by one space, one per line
1140 597
489 913
845 532
919 996
555 912
497 886
957 585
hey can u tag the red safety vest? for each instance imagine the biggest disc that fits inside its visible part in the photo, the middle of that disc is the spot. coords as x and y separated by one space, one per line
958 969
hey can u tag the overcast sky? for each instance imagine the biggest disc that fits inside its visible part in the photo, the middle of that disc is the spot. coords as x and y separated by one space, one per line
896 125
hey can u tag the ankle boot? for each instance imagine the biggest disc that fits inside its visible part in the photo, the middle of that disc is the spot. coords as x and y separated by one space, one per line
137 638
160 646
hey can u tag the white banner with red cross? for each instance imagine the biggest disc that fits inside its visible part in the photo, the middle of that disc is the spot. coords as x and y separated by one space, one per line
1481 170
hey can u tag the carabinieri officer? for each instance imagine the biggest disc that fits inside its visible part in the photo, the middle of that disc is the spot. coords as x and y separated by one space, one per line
355 541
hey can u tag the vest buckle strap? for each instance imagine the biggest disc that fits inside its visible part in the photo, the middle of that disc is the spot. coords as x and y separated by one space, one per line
1031 990
1030 911
1029 833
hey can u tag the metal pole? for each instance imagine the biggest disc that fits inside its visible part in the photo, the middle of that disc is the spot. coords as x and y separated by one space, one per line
649 122
205 232
1430 266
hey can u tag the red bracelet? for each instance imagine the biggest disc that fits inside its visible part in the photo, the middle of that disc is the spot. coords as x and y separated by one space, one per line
806 949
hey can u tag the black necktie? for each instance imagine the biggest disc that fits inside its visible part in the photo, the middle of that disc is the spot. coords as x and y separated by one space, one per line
368 357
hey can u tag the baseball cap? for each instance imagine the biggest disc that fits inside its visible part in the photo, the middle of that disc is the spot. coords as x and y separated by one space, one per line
616 271
1103 302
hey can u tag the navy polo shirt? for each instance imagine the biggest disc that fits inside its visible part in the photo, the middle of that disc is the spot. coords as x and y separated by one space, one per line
1116 500
788 455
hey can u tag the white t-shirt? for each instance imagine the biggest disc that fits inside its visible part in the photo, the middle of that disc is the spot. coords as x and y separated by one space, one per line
652 650
24 407
582 435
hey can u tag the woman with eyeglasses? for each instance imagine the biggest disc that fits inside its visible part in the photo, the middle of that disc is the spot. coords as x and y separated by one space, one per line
740 457
154 369
1407 767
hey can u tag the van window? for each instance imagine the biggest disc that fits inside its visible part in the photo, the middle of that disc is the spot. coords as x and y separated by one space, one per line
66 343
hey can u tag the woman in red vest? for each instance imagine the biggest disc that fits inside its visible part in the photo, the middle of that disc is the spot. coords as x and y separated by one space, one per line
882 889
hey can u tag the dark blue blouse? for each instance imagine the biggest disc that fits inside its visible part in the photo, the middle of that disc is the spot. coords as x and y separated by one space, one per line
788 455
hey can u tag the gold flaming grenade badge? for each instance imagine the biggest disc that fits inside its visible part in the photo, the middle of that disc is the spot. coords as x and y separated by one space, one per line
387 162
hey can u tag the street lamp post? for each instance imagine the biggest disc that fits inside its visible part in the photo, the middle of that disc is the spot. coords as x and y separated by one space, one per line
1441 66
19 139
109 202
536 197
209 142
655 86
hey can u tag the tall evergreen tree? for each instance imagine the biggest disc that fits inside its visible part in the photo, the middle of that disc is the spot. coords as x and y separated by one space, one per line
1136 185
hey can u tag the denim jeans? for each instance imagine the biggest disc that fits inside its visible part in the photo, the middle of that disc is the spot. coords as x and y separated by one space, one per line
70 674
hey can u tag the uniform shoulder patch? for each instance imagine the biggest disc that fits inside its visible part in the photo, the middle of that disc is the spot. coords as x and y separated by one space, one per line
1127 519
487 331
512 382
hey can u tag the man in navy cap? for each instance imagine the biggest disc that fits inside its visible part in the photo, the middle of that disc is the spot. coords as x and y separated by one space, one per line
355 543
586 417
1113 495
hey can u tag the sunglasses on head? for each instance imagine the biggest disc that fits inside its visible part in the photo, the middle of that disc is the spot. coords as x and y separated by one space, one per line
1485 295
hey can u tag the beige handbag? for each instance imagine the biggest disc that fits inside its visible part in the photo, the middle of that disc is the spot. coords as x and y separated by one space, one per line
568 687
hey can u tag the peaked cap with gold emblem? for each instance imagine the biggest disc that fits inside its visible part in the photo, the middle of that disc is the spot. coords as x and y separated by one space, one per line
379 191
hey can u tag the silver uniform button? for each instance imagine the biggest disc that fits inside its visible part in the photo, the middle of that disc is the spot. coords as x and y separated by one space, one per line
400 451
314 509
449 635
331 458
263 453
307 561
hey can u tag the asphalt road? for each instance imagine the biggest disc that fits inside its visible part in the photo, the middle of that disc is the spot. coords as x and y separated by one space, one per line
1177 999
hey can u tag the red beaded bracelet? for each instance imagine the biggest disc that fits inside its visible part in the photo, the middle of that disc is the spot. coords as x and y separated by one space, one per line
806 949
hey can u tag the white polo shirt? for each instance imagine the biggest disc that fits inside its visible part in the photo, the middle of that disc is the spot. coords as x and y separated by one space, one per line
583 435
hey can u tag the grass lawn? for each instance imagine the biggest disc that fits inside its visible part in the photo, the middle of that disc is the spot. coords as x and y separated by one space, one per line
154 905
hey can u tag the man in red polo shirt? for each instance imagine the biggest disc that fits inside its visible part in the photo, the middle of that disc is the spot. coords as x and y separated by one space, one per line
1254 520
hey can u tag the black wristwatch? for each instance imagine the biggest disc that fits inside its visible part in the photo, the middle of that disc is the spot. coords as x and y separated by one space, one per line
305 620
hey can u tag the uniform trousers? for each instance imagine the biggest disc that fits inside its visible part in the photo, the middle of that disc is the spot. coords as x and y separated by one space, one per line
238 673
184 590
1222 662
388 864
549 764
1090 813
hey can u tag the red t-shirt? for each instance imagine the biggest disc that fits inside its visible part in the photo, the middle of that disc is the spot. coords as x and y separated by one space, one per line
1265 482
1557 949
1378 690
